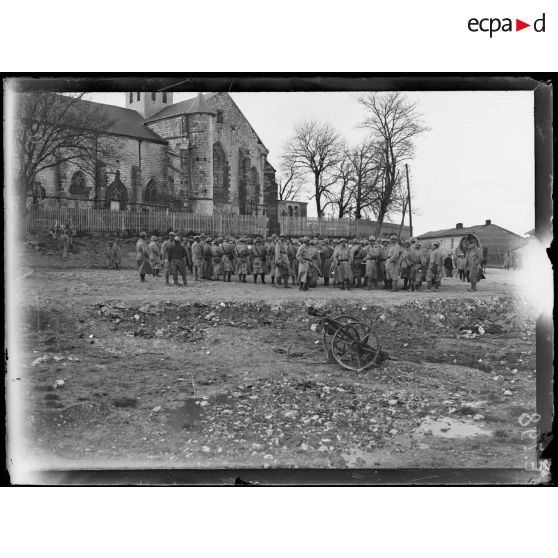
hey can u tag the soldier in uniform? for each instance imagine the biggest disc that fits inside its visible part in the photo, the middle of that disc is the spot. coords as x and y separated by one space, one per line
206 252
473 261
258 254
64 240
335 247
142 257
372 258
382 275
228 258
303 257
317 264
270 259
282 269
155 256
197 259
293 262
178 259
164 255
217 260
326 251
405 264
113 255
392 263
416 263
343 261
242 254
434 269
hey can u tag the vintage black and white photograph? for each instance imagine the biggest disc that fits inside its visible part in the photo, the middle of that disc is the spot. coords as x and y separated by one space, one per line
341 277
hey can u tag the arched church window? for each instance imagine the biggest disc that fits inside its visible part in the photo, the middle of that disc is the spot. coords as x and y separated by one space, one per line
151 193
219 117
184 125
220 174
77 185
153 96
255 179
290 210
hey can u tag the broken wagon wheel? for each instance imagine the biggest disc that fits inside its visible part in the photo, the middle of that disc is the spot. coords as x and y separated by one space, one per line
353 349
329 329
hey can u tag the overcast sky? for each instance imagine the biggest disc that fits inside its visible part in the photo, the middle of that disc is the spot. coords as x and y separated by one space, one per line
476 162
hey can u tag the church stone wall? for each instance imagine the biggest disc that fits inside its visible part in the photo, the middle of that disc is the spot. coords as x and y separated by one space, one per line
56 180
234 133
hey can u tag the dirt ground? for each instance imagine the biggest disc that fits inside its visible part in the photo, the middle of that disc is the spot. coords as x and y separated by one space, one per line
234 375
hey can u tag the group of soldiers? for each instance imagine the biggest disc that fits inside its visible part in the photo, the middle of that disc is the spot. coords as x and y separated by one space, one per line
359 263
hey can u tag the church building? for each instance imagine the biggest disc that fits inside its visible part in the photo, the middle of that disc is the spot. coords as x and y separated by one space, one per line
199 155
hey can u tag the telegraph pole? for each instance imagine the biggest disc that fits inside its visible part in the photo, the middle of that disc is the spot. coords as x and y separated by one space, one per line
409 199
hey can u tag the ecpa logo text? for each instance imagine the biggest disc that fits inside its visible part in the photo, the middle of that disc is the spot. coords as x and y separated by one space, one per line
492 25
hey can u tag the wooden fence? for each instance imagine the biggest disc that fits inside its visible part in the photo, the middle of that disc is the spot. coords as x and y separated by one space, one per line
109 221
330 227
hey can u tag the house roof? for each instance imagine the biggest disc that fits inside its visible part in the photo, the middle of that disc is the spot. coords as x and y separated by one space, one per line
463 231
126 122
186 107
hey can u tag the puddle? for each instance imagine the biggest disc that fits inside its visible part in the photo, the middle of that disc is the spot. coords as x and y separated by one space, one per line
451 428
185 417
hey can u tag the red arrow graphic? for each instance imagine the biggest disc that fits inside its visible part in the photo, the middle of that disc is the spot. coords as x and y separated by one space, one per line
519 25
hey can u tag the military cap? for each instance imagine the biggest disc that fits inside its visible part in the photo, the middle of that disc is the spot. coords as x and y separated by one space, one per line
417 244
274 235
167 237
355 239
343 240
176 238
143 234
306 239
335 241
153 237
372 237
393 237
196 238
412 240
172 234
384 240
437 242
406 243
282 236
258 239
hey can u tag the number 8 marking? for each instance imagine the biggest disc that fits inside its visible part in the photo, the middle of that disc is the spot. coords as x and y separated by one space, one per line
526 419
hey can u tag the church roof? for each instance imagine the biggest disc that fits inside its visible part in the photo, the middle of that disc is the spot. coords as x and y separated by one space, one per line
197 104
125 122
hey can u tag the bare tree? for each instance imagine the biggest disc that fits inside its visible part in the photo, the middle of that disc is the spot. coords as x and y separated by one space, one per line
341 195
314 150
365 175
291 181
392 123
52 129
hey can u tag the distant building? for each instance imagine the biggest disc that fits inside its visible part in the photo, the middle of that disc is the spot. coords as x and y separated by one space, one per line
292 208
494 238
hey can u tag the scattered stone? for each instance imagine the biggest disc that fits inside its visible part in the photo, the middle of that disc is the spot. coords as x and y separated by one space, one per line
304 447
204 403
393 431
478 417
125 402
40 360
156 409
507 392
205 449
268 456
256 446
58 384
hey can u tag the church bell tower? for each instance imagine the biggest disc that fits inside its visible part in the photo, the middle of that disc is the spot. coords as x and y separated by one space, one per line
148 103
